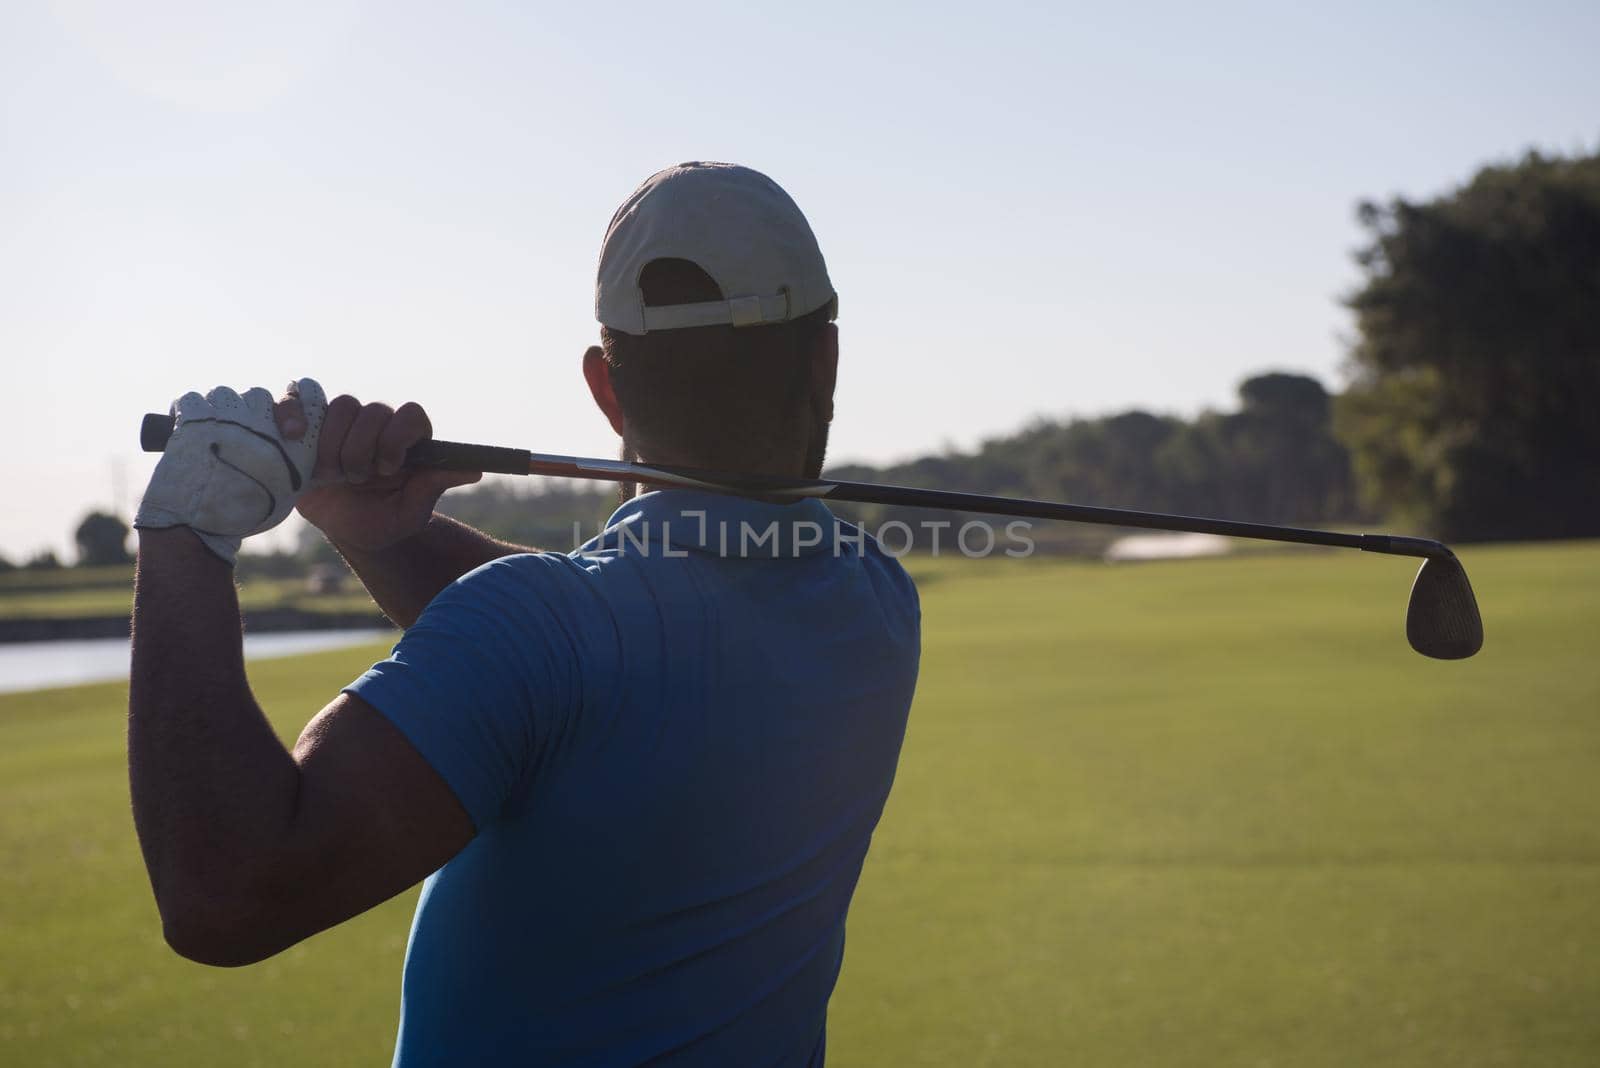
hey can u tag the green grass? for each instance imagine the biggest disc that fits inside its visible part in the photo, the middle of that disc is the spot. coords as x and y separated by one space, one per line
110 576
1209 813
112 595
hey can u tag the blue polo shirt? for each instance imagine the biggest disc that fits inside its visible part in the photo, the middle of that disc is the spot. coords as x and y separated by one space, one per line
674 744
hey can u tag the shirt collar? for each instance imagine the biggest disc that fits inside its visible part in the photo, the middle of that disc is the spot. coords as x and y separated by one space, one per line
717 524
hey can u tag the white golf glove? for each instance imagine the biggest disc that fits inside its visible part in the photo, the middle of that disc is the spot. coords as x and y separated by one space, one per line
227 472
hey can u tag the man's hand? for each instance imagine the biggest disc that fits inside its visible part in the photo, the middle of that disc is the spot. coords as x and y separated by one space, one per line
228 471
363 497
379 513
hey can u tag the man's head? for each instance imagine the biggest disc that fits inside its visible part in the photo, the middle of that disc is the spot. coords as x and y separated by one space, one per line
718 346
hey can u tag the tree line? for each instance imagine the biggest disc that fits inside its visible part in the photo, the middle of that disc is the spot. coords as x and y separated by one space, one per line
1477 361
1275 459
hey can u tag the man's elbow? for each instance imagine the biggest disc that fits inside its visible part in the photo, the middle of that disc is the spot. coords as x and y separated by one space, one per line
217 931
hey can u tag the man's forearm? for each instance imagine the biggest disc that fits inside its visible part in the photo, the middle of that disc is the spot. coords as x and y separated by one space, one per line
406 576
213 788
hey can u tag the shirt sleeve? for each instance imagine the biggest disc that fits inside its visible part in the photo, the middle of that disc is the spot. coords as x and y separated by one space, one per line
482 681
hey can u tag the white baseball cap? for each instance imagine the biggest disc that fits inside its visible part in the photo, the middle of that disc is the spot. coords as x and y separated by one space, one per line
737 225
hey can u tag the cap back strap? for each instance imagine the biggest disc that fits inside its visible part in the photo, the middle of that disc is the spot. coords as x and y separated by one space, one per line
740 311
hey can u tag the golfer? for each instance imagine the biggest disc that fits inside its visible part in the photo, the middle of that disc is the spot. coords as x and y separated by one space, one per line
638 781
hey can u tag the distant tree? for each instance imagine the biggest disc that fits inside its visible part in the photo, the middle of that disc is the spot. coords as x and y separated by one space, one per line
1287 399
546 514
6 564
1478 357
43 560
102 539
1285 461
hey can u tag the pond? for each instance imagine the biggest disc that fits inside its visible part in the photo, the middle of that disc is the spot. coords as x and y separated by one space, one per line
37 665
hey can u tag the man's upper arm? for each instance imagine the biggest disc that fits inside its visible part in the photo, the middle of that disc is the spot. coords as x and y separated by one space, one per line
488 678
372 818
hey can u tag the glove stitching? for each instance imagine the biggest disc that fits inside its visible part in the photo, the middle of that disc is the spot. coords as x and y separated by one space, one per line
272 499
294 470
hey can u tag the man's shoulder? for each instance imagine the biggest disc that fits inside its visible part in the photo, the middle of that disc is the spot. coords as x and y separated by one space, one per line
527 588
889 574
518 571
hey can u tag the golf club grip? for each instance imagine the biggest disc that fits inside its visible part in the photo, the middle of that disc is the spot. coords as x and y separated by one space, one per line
156 430
460 456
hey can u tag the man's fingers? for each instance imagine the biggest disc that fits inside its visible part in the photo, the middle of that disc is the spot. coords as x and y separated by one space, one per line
336 423
290 415
359 441
423 488
459 478
409 426
438 481
359 454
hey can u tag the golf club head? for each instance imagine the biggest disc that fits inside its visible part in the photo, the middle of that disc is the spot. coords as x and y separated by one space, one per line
1442 619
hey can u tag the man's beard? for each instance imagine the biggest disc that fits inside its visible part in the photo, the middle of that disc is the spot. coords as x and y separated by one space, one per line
627 491
816 448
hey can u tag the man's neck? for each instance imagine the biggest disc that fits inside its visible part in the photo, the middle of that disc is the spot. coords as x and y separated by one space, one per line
772 467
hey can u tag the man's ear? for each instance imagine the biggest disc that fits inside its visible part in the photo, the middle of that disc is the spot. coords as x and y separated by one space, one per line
825 371
598 374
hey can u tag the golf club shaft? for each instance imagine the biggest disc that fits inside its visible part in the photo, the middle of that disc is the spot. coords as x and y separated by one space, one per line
453 455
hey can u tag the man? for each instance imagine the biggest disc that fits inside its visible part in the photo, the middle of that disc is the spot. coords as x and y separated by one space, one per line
643 776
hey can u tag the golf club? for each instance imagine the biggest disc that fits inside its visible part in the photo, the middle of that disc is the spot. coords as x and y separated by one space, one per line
1442 619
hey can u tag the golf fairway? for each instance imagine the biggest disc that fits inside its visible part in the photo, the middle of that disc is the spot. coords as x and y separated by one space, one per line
1185 813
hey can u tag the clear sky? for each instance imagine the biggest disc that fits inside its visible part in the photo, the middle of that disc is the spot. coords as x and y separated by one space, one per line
1028 209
